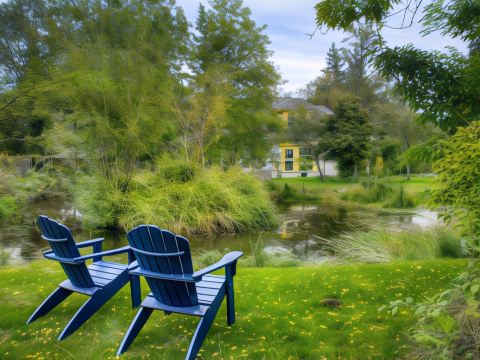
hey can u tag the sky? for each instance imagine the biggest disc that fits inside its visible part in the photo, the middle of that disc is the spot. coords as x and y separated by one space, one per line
300 59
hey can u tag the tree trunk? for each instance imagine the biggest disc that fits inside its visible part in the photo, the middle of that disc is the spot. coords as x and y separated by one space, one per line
317 161
355 169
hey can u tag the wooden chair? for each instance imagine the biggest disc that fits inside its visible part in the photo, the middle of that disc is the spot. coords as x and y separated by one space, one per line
164 260
100 281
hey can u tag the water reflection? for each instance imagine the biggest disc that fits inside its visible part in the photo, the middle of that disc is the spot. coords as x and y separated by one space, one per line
295 235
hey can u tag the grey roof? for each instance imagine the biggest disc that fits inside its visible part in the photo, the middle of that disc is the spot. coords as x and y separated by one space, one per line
290 103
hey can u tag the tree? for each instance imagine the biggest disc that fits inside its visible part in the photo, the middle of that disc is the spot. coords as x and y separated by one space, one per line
360 78
443 86
307 130
202 116
23 46
347 137
335 63
229 41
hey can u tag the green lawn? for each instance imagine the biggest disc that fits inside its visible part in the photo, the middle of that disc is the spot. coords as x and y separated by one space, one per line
332 186
280 315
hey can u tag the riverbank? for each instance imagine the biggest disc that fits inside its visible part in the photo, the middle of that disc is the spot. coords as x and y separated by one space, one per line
353 190
281 314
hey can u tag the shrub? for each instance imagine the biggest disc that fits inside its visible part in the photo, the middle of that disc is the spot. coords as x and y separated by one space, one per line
372 192
287 194
399 198
211 202
8 206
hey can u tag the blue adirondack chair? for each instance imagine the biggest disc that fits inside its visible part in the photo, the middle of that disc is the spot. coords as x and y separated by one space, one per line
100 281
164 260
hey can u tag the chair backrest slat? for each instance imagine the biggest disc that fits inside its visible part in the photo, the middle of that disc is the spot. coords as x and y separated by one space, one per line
151 241
77 273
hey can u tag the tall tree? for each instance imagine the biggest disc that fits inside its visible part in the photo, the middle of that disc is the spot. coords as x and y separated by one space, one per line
228 39
442 85
358 56
347 137
335 64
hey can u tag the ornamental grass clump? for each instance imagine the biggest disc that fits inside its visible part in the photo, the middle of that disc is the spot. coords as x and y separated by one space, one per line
207 201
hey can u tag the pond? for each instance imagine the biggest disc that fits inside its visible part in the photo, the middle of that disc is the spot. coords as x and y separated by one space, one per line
298 232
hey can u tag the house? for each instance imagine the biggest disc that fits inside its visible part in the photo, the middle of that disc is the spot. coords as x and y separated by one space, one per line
295 160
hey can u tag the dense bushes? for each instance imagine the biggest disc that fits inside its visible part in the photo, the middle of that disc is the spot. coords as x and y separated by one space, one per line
286 193
185 200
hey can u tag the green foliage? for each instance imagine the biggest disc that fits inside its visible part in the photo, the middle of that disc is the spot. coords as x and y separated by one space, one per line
457 186
8 206
386 246
420 75
347 137
211 202
214 201
4 257
287 193
230 42
374 191
401 199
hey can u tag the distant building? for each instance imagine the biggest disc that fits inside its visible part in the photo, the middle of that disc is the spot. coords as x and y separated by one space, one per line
295 160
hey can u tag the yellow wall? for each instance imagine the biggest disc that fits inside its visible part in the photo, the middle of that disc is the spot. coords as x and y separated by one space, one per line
296 149
296 157
296 153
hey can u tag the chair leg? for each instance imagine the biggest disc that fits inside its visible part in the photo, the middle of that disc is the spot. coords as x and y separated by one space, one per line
90 307
135 291
55 298
203 327
230 297
137 324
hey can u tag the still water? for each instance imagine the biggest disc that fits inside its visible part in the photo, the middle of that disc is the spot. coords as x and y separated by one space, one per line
300 225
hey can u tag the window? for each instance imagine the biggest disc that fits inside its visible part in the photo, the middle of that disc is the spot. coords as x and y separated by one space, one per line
305 152
291 120
289 153
288 165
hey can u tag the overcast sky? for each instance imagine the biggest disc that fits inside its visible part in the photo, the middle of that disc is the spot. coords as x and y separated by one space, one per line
299 58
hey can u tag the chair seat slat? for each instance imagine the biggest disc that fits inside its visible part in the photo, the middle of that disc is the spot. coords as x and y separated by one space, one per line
196 310
112 265
207 291
101 275
106 270
205 299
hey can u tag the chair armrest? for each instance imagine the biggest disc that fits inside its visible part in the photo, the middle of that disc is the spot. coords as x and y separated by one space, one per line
121 250
133 265
89 242
228 259
155 275
80 259
51 256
